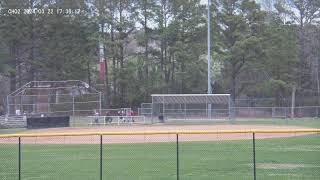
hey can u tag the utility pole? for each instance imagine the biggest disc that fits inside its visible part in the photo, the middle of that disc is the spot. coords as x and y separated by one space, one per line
318 88
318 82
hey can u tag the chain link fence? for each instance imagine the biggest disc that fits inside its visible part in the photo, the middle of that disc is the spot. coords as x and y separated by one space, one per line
54 98
234 113
125 116
204 155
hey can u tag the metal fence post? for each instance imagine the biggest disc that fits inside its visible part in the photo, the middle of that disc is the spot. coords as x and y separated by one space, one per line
163 108
185 111
19 158
100 103
177 156
73 108
254 156
8 106
101 156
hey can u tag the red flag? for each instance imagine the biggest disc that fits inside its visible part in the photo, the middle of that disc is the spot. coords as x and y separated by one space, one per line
102 74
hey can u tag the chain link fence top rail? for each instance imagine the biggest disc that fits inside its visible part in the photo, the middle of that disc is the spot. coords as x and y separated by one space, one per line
219 154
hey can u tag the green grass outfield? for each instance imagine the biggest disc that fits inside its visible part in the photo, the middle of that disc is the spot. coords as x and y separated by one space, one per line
285 158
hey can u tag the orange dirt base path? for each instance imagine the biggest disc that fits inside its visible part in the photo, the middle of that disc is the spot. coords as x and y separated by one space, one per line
151 138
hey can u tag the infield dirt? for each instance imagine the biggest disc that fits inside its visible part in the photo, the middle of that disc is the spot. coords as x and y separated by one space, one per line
151 138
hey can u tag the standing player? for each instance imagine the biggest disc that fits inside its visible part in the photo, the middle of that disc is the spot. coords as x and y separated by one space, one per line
96 117
132 114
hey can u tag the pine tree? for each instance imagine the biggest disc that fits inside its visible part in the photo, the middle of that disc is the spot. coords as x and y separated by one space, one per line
240 24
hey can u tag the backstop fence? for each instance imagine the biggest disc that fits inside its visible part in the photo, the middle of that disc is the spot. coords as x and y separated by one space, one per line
52 98
236 154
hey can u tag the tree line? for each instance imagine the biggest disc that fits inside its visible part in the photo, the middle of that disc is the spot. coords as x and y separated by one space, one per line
265 49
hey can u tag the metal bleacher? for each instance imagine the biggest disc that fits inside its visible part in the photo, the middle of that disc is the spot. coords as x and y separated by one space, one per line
13 122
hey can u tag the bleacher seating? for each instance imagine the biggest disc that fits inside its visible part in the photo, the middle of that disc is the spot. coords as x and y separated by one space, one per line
13 122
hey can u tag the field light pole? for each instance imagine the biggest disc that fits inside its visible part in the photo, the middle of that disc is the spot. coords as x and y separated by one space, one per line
209 57
209 49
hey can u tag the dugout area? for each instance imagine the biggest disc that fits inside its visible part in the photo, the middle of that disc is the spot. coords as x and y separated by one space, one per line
191 107
48 122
